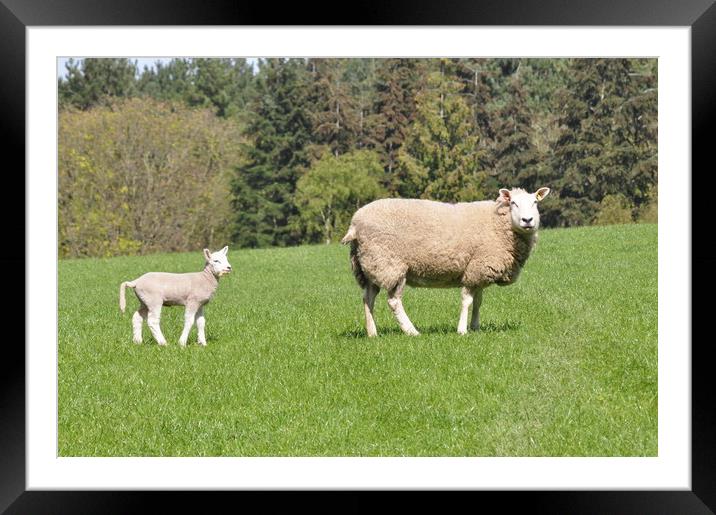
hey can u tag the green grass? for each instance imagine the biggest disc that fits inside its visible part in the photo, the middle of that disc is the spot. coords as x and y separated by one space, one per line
565 363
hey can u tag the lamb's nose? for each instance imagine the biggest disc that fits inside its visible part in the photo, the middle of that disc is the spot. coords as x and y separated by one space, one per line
527 220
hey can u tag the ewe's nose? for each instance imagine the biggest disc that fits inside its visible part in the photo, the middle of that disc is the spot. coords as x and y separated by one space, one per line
527 220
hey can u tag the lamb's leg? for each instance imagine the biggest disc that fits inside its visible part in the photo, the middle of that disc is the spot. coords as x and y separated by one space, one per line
200 324
153 323
137 319
467 297
396 305
475 322
189 314
369 295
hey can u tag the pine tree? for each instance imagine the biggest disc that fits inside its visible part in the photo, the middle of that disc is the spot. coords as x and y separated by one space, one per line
607 144
279 131
172 81
516 160
92 80
440 156
333 109
396 83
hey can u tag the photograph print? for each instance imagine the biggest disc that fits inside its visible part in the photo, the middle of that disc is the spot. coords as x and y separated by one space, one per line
359 257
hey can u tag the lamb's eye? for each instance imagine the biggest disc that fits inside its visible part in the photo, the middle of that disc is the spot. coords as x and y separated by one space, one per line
514 203
216 261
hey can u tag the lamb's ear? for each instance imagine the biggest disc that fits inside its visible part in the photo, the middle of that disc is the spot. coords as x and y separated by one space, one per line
504 196
207 254
542 193
225 250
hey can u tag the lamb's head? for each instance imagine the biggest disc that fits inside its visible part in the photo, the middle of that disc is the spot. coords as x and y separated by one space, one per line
217 261
523 208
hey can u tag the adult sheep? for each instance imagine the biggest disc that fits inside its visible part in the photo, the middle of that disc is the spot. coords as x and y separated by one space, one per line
424 243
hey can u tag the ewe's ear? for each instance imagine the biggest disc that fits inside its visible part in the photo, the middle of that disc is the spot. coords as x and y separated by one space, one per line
225 250
207 254
542 193
504 196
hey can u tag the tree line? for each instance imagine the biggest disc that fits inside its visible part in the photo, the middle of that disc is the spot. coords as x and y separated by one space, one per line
195 152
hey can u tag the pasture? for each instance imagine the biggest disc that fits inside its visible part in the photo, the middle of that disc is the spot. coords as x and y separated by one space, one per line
565 363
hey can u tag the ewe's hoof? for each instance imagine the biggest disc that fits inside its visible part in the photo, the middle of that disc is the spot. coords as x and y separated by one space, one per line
462 331
137 341
203 344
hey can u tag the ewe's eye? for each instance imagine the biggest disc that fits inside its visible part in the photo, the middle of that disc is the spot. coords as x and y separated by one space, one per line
514 203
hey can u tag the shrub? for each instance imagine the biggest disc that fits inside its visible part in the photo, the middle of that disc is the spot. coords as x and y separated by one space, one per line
614 209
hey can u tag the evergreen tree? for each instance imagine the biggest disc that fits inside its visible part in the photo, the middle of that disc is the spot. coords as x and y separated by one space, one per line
221 83
516 160
334 112
440 156
397 81
279 130
172 81
607 143
92 80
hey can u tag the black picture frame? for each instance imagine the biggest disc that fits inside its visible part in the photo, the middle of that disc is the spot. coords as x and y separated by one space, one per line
17 15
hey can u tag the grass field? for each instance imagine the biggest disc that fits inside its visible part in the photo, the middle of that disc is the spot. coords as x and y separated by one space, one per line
565 363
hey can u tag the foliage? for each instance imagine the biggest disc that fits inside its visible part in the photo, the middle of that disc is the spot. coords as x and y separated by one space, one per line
92 80
614 209
449 128
142 176
440 157
277 153
608 140
333 188
649 211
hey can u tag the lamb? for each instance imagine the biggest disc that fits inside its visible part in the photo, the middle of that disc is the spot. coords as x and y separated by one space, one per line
192 290
423 243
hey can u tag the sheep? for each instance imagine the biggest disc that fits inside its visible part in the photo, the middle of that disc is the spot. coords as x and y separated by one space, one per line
424 243
192 290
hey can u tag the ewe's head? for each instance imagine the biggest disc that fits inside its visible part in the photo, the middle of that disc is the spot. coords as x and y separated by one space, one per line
523 208
217 261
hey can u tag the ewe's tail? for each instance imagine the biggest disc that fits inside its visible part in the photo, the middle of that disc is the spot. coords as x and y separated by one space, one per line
122 299
355 265
351 238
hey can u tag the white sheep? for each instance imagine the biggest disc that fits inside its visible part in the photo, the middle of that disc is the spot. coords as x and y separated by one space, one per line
192 290
424 243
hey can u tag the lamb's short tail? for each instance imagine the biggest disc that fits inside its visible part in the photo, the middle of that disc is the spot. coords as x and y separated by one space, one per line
122 298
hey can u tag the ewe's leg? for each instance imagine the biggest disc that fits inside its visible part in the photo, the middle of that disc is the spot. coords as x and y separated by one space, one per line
369 295
396 305
200 324
475 322
137 319
466 302
189 313
153 323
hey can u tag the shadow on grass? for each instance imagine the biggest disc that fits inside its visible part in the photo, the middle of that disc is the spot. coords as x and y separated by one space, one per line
444 329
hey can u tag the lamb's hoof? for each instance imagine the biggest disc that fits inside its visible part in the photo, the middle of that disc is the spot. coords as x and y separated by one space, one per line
163 344
138 342
412 332
183 344
203 344
462 331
